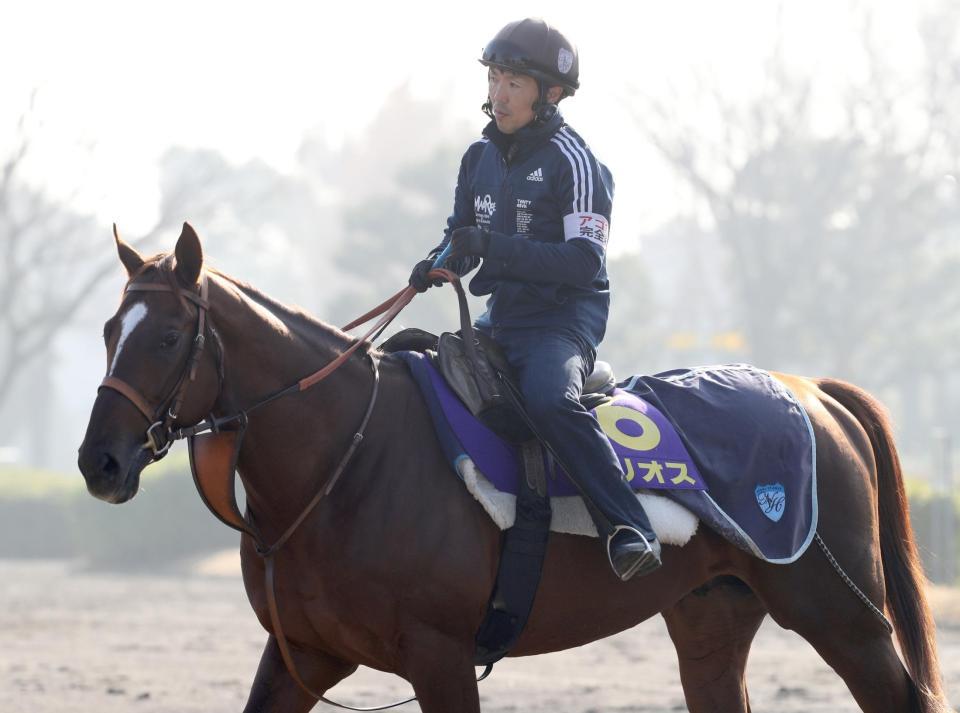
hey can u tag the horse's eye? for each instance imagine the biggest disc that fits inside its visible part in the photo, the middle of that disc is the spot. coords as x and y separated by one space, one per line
170 340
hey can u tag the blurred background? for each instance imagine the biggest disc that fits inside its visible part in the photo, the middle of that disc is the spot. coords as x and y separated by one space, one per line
787 195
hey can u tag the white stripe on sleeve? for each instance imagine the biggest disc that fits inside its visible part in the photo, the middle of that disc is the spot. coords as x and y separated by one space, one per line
581 154
575 169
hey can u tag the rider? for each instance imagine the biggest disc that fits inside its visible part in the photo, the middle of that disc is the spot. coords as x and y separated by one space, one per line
534 204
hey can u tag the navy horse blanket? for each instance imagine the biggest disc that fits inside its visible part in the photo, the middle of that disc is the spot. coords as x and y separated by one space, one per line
729 443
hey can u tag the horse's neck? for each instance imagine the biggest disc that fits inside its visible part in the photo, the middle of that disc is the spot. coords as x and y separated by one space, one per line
266 347
291 444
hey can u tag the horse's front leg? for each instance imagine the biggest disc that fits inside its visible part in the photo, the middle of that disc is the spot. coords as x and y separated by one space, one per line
275 691
441 670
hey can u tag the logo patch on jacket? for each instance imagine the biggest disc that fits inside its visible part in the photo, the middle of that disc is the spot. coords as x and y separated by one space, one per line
524 214
536 176
483 208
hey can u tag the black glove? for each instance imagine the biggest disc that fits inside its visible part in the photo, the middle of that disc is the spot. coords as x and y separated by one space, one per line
469 240
418 278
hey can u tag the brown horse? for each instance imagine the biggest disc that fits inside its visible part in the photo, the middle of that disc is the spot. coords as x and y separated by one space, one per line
394 572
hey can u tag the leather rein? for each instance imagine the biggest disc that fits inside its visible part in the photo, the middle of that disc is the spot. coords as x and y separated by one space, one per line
161 434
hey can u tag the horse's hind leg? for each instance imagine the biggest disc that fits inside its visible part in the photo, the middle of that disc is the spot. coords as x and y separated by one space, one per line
809 597
871 669
861 651
275 691
712 629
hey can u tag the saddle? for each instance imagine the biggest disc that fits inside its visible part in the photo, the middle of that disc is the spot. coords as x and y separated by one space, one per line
475 368
487 386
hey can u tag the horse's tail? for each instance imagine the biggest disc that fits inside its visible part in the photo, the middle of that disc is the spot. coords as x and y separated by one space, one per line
902 571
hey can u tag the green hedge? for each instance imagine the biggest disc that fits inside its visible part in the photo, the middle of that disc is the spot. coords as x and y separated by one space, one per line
935 517
51 515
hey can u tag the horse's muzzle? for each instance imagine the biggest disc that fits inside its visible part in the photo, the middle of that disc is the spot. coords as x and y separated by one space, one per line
111 475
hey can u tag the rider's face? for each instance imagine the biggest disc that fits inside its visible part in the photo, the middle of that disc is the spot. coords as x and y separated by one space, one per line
512 96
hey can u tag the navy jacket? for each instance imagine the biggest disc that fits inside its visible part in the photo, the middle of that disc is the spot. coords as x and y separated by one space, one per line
546 201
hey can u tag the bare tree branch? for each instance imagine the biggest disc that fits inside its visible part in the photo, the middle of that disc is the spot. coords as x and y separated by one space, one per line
807 220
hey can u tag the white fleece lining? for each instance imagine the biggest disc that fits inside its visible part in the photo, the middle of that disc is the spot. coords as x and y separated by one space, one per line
673 523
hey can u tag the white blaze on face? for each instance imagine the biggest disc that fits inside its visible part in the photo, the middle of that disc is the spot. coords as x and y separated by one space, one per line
130 320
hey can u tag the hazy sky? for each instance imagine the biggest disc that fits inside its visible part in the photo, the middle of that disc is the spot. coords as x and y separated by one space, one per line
119 82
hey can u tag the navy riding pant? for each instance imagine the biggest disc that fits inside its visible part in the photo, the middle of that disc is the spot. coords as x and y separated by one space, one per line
550 365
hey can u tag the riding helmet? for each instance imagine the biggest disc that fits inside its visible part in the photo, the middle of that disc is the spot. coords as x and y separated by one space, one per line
533 47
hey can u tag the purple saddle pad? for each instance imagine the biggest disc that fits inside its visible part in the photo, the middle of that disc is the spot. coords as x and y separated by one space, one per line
650 451
733 427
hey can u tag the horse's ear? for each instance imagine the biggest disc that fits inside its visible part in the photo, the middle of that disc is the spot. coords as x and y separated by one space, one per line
189 255
128 256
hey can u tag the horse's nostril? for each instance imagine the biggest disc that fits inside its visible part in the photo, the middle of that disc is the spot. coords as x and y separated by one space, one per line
108 464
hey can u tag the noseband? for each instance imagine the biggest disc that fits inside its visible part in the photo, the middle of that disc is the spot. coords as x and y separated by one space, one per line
160 433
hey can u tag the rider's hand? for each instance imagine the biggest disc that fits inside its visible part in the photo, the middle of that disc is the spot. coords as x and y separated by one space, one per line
418 278
469 240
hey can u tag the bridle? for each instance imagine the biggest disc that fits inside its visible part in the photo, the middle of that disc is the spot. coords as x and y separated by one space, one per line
161 434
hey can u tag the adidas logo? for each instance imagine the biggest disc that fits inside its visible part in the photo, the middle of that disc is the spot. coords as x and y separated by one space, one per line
536 176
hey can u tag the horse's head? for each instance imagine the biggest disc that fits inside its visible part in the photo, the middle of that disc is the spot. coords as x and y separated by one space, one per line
158 373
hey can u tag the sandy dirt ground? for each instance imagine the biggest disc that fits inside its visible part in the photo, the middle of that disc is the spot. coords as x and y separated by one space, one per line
104 643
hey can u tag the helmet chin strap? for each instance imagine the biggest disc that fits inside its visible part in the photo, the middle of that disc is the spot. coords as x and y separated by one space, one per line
543 110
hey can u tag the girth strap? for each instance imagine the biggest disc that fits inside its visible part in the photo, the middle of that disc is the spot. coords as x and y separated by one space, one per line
521 564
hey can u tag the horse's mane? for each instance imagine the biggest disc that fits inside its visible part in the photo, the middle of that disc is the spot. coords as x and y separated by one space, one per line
298 321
